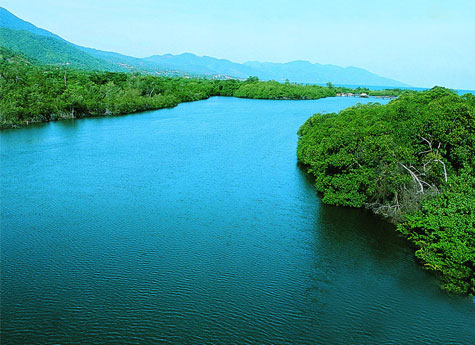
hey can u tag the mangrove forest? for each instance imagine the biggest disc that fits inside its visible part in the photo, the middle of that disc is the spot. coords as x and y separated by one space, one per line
411 161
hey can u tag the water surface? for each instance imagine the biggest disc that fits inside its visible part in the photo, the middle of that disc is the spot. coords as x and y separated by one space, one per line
195 225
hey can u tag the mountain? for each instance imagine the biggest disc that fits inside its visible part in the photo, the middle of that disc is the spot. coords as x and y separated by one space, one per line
10 21
48 48
296 71
306 72
201 65
51 51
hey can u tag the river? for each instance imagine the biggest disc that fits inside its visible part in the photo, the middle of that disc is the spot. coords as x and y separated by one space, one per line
194 225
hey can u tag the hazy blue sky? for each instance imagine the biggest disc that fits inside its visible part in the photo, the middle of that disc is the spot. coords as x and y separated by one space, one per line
420 42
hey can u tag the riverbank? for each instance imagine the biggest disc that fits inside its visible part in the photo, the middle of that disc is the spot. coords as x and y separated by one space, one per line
196 217
32 93
410 161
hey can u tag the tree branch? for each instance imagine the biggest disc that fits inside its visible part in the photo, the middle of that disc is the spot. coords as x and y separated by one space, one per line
414 177
445 169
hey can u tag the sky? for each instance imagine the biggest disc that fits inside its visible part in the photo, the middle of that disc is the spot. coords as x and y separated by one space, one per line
419 42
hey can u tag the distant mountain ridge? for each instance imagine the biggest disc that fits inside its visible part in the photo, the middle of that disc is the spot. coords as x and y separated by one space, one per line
49 48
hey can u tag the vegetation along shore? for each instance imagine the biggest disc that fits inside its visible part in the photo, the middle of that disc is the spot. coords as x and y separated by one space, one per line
33 93
412 161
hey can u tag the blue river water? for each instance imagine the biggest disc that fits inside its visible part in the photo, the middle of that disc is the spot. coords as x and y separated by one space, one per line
195 225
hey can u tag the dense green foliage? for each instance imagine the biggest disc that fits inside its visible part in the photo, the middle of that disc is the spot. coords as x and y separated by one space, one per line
411 160
50 50
31 93
359 90
444 233
37 93
275 90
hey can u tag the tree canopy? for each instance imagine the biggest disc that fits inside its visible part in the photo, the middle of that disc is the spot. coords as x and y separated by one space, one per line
31 92
412 161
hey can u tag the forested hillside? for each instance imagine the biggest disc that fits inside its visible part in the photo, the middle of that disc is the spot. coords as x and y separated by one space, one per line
173 65
52 51
32 93
412 161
